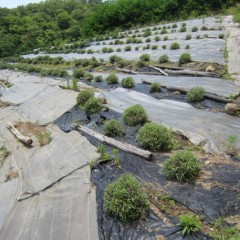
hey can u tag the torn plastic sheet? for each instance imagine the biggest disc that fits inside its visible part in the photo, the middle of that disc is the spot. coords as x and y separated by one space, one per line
67 210
199 126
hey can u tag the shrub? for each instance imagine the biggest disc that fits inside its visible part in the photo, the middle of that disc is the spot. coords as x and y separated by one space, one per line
118 49
174 25
221 36
83 97
113 128
155 87
145 57
157 38
127 48
155 137
105 50
92 106
183 166
204 28
189 223
183 24
195 29
148 39
125 199
112 79
187 46
164 46
184 58
154 47
98 78
163 59
188 37
114 59
135 115
183 29
128 82
165 38
163 31
88 76
78 73
110 50
174 46
196 94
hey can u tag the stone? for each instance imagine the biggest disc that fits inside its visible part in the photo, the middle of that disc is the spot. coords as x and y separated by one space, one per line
176 93
210 68
233 109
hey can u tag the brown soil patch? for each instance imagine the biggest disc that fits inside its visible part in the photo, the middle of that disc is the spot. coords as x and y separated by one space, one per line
13 173
234 220
30 129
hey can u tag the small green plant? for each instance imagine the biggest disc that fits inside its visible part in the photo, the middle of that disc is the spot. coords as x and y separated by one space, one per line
195 29
163 31
183 166
98 78
164 46
92 106
113 128
74 84
101 149
189 223
196 94
3 154
155 137
148 39
184 58
221 36
231 145
135 115
188 37
128 82
83 97
204 28
174 25
163 59
125 199
183 29
165 38
112 79
78 73
88 76
187 46
174 46
157 38
145 57
155 87
127 48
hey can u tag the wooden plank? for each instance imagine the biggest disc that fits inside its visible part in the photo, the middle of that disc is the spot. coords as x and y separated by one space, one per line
110 141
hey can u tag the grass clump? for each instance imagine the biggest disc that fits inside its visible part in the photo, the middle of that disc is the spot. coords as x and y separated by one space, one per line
83 97
183 29
196 94
128 82
78 73
189 223
112 79
188 37
232 145
113 128
125 199
127 48
157 38
155 137
184 58
145 57
92 106
183 166
195 29
155 88
163 59
98 78
174 46
88 76
135 115
221 36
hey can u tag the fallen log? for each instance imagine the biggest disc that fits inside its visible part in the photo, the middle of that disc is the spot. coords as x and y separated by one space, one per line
159 70
18 135
110 141
126 71
185 91
188 72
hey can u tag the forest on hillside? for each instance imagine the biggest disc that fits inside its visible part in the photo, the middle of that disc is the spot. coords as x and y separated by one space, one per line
53 22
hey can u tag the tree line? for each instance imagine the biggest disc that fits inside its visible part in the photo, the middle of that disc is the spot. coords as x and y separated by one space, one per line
53 22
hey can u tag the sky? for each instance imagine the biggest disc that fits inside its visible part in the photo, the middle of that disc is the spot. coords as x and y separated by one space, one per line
15 3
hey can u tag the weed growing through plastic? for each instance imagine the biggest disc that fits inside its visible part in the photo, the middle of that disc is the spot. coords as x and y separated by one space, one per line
190 223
